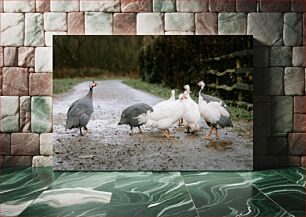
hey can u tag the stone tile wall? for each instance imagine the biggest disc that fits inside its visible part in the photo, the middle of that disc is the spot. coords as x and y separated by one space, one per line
27 27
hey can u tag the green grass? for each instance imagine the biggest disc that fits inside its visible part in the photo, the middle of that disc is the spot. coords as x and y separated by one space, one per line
155 89
64 84
238 113
241 113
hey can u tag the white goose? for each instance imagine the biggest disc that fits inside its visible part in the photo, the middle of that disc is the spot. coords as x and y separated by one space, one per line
191 114
162 103
172 98
214 111
166 114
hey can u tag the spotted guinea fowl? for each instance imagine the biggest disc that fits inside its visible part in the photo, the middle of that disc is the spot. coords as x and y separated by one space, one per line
214 111
135 116
80 111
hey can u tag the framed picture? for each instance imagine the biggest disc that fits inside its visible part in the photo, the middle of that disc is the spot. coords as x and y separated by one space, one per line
153 103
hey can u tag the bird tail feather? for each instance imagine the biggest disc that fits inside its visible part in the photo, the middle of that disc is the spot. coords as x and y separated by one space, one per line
143 118
69 124
153 124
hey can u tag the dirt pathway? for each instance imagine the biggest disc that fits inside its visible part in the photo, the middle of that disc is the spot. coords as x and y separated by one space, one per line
110 147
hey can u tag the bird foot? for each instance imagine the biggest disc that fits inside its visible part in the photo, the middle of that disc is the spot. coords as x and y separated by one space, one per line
131 131
187 130
207 137
87 130
168 136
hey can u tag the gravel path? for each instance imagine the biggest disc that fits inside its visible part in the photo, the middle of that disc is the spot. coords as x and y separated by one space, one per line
110 147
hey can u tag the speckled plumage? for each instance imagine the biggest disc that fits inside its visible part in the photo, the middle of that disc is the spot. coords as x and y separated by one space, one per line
80 112
130 115
214 111
223 121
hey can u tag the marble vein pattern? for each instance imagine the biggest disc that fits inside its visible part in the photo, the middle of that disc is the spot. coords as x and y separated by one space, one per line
43 192
41 114
227 194
20 187
79 193
296 174
12 27
70 202
285 192
151 194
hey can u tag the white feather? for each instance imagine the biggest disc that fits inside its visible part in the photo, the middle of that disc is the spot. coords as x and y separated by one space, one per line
163 103
191 114
165 114
209 111
213 110
218 106
143 118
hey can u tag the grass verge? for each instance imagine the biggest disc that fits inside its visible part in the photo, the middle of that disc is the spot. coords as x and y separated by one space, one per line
61 85
65 84
237 113
155 89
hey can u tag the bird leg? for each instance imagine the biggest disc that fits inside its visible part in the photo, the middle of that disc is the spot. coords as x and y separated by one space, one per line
217 134
167 133
188 130
140 131
81 134
131 131
87 129
209 134
180 122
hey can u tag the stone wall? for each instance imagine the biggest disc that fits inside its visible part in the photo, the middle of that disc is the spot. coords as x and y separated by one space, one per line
27 27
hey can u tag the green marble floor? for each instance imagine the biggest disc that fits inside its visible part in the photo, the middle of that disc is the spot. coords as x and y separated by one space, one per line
42 192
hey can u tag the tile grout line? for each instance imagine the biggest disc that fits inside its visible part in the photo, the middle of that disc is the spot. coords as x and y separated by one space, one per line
20 214
291 180
266 195
61 173
272 200
110 201
189 194
176 184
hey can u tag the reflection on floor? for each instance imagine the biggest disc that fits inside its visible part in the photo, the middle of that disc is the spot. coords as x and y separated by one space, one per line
42 192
